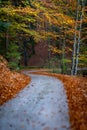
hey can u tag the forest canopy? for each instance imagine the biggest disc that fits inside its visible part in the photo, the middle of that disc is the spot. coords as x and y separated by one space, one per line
61 24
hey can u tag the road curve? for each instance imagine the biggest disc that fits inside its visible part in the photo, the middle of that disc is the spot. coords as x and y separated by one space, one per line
42 105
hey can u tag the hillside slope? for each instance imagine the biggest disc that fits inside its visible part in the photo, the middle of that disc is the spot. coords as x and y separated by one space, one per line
10 82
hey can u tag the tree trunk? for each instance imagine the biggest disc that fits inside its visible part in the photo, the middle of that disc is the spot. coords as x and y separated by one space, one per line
6 42
7 37
63 65
75 41
16 2
25 54
79 40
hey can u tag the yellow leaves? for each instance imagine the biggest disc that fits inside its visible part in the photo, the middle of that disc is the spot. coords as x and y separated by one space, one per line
9 11
83 60
22 11
51 34
70 31
47 17
61 19
55 50
41 15
69 49
66 19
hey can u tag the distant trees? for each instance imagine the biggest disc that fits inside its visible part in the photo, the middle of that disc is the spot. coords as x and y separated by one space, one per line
26 22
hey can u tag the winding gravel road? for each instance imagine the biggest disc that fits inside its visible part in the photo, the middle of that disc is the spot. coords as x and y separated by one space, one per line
42 105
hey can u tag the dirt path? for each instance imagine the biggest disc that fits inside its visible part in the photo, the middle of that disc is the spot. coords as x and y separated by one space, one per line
42 105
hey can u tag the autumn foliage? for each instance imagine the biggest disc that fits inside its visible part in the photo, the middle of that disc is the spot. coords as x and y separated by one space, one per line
76 89
10 82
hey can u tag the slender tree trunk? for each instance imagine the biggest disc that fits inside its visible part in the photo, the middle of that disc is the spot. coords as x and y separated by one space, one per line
63 65
60 55
63 44
48 28
7 37
6 42
75 41
25 54
79 40
49 50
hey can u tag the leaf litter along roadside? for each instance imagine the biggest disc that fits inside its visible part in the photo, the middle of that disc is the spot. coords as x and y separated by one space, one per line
10 82
76 89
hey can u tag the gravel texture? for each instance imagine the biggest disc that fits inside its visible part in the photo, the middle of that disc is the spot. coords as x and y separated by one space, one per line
42 105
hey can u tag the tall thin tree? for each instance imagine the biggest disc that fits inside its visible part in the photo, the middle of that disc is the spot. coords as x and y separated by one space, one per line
75 40
79 39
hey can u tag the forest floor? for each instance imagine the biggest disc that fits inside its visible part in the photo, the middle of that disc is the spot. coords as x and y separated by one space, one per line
11 82
76 89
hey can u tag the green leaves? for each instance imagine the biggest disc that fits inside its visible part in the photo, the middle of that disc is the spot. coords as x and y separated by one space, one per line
13 56
4 25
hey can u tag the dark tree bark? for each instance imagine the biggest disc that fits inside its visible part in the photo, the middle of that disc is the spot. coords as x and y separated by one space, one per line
16 2
25 54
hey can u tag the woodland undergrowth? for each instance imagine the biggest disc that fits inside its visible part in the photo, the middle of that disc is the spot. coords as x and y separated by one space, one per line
11 82
76 90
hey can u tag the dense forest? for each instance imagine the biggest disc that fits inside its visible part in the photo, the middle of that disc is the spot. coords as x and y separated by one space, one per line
61 25
37 38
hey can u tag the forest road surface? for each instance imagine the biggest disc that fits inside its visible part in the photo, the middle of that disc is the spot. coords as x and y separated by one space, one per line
42 105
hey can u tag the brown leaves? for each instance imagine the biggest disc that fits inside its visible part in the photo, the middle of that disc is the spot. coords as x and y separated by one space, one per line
76 89
10 82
